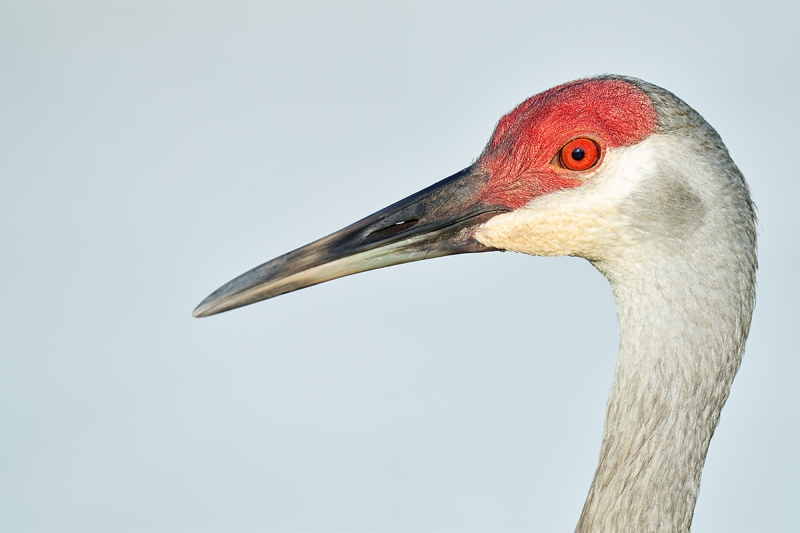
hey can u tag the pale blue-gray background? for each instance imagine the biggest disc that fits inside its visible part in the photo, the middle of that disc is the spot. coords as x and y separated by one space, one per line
152 151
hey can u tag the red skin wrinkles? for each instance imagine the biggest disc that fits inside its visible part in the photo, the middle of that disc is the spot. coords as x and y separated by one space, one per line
519 155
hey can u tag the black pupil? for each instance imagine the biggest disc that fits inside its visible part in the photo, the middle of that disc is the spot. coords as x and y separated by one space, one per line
578 153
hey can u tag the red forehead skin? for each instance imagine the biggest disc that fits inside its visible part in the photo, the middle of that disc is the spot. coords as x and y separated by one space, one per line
518 157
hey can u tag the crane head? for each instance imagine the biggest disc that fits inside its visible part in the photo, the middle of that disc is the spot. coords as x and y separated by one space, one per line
556 178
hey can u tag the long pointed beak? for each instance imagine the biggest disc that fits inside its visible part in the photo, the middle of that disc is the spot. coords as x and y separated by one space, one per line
437 221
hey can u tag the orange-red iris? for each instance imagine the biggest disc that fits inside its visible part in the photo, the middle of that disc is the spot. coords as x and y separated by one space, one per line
579 154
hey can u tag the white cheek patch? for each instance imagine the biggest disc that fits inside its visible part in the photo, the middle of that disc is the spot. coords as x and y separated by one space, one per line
585 221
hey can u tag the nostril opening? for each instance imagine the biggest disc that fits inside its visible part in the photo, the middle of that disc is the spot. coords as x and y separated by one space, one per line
395 228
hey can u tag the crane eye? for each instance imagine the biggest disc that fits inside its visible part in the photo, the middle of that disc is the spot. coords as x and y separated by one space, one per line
579 154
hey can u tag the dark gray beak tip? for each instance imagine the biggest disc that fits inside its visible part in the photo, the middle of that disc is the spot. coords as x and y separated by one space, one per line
200 311
206 308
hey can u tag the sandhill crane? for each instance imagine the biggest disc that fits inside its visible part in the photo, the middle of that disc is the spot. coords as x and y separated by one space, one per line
625 174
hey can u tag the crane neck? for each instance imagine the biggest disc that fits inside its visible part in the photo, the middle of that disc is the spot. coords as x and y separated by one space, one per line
681 344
